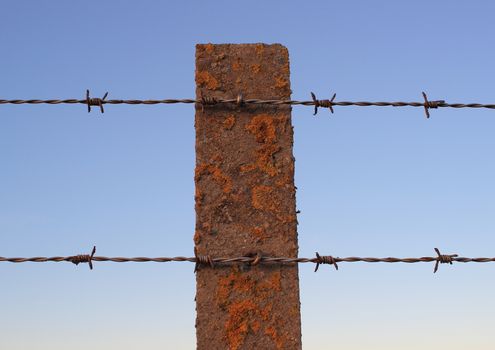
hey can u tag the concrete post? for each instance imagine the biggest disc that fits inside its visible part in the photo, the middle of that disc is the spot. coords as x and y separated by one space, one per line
245 200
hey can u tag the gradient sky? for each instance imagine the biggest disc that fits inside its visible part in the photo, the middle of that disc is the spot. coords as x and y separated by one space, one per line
371 181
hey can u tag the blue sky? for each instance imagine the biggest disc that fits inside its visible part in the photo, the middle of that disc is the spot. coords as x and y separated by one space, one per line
371 181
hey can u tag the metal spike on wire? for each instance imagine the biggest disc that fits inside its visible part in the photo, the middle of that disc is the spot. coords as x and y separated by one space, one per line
253 260
95 101
239 101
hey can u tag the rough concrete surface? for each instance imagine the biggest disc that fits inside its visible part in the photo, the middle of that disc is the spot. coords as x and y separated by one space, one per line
245 200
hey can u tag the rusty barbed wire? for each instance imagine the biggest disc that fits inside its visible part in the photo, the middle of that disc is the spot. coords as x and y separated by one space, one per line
207 260
239 101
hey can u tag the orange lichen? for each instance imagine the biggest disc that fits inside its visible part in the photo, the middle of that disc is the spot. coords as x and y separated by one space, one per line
209 48
247 168
217 158
266 312
285 69
229 122
243 284
217 174
224 288
264 129
275 282
237 325
197 237
284 180
265 160
247 300
262 198
281 83
272 332
234 281
203 78
287 219
257 232
266 288
236 65
256 68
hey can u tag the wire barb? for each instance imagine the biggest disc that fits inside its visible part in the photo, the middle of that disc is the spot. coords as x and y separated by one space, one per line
430 104
323 103
443 259
95 101
325 259
207 101
83 258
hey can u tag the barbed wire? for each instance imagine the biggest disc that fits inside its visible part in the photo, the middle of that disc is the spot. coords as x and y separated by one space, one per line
240 101
256 259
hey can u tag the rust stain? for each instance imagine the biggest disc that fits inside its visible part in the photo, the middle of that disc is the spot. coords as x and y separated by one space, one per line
229 122
217 174
204 78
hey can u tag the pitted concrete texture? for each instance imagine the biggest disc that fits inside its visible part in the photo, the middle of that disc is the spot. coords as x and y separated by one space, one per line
245 200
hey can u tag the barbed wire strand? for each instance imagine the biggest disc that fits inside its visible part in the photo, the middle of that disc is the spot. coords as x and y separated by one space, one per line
240 101
206 260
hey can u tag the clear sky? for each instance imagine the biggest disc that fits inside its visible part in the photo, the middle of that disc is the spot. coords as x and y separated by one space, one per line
371 181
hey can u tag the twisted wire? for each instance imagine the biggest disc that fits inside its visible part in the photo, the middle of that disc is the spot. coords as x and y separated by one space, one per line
212 101
207 260
239 101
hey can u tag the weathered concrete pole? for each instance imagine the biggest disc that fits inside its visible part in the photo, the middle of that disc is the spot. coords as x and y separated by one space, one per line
245 200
